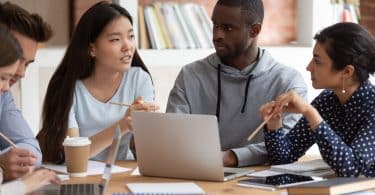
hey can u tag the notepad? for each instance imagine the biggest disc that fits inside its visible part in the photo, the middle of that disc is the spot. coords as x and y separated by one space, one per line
165 188
298 167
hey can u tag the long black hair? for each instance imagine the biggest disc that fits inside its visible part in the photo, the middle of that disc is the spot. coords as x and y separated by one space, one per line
349 44
76 65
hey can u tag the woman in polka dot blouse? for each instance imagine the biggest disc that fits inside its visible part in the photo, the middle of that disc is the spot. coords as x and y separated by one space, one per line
341 120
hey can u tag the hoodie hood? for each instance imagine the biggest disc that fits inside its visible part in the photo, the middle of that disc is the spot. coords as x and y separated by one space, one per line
263 65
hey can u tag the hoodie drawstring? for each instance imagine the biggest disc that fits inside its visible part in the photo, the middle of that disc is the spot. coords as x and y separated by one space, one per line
218 92
246 89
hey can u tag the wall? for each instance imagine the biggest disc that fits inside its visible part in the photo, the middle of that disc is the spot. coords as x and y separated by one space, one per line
367 8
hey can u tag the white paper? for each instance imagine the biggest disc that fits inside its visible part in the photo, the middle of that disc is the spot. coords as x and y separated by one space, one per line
94 168
136 171
165 188
264 173
314 165
63 177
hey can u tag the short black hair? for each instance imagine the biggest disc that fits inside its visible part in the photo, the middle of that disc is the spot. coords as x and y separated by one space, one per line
349 44
30 25
253 9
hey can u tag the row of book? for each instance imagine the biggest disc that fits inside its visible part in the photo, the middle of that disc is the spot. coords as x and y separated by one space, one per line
345 11
172 25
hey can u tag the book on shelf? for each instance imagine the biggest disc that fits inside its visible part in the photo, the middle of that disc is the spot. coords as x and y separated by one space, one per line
345 11
174 28
186 32
162 26
175 25
144 41
153 29
191 15
337 185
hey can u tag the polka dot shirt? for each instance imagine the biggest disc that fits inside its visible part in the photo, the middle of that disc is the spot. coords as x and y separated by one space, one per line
346 137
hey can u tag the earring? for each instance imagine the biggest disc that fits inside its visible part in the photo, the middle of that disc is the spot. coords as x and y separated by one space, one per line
343 91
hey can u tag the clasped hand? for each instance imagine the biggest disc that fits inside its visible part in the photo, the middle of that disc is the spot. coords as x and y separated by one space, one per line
288 102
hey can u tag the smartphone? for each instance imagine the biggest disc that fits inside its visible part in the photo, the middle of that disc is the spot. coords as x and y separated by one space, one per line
277 181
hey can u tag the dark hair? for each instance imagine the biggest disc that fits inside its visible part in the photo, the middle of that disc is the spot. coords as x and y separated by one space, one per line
76 64
252 9
20 20
349 44
10 49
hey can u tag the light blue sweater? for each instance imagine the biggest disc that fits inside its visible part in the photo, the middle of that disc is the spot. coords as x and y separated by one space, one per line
196 92
90 115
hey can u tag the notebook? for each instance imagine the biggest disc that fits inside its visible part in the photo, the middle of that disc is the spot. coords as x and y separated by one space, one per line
165 188
316 167
87 189
337 185
180 146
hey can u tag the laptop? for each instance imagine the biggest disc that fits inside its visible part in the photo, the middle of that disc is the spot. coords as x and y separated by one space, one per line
87 188
180 146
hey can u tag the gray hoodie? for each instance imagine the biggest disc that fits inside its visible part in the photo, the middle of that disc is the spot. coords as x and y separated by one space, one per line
199 89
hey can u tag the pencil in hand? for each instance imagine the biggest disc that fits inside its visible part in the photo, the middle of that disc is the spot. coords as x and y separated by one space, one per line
259 127
119 104
7 140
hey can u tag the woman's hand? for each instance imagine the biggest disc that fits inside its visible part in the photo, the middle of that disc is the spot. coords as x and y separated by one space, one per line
269 114
38 179
293 103
137 105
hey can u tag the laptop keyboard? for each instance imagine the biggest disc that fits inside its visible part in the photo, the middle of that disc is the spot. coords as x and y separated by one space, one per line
228 173
77 189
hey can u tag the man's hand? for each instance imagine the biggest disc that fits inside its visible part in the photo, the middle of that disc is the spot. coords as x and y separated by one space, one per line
17 162
229 159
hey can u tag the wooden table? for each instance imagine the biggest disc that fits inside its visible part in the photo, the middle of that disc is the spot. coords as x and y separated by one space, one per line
118 182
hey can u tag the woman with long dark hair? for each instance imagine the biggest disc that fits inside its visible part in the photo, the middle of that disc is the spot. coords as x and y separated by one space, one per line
101 65
341 120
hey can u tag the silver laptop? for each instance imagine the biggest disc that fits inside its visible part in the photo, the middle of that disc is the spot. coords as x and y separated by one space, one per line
87 188
180 146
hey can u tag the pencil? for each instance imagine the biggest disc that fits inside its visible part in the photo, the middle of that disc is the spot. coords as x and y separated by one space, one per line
7 140
119 104
259 128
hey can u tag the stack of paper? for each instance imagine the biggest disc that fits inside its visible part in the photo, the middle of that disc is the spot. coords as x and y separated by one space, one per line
165 188
312 168
309 168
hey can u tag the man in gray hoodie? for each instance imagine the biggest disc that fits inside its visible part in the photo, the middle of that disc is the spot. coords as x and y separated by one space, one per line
235 81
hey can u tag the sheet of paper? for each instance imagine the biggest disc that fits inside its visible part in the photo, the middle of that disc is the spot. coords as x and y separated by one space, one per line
94 168
136 171
314 165
165 188
63 177
264 173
